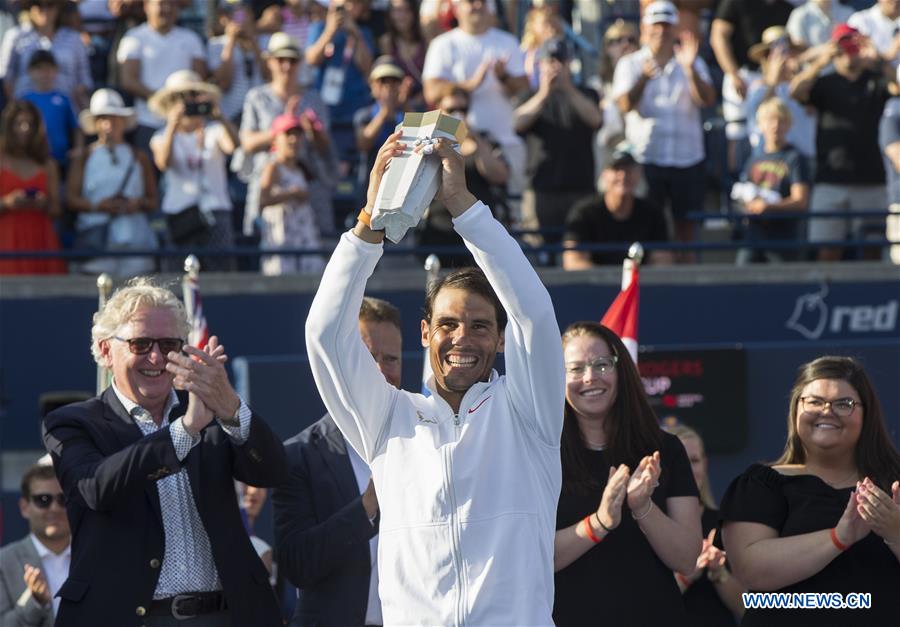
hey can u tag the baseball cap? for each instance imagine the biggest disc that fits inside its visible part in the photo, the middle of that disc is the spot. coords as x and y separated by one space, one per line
846 38
41 57
386 67
620 156
660 12
284 123
282 46
555 48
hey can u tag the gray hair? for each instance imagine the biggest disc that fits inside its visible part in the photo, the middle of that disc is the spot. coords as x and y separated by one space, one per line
138 294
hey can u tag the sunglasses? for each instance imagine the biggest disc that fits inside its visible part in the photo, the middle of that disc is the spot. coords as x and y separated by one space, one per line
143 345
43 501
458 112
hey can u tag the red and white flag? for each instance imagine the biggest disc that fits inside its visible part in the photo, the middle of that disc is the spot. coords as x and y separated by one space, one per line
199 334
622 315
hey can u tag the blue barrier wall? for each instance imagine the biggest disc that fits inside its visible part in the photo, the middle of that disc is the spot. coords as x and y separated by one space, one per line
780 316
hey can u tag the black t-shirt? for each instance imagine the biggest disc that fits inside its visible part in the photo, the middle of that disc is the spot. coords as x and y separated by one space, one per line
590 222
621 581
561 147
847 130
750 18
702 602
800 504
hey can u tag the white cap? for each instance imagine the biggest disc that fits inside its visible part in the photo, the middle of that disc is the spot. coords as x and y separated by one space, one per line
660 12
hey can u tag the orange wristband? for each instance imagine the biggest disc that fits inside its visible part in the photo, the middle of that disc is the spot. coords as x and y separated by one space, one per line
365 218
590 530
834 539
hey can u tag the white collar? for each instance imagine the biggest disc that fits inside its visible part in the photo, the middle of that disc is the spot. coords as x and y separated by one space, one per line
129 404
44 552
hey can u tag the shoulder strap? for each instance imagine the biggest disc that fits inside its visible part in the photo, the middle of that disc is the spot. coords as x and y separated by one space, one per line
128 172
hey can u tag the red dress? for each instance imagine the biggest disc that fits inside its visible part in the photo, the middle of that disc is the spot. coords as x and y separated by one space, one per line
27 229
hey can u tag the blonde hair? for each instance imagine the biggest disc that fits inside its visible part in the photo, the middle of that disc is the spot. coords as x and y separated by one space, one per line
529 35
774 106
683 432
138 294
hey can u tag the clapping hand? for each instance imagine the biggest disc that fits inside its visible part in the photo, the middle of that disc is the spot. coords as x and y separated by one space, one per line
37 584
202 373
643 482
711 558
686 52
610 511
851 528
880 511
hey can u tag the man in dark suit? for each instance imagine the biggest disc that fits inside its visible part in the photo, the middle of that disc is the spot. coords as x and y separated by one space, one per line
33 569
326 514
149 474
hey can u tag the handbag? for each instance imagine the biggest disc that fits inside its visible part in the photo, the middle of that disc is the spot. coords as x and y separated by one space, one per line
188 224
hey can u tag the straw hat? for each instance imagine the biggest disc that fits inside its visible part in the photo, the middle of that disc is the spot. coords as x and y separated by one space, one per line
771 36
178 83
282 46
105 102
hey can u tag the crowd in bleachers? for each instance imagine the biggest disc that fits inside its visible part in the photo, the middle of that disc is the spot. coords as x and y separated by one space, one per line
218 125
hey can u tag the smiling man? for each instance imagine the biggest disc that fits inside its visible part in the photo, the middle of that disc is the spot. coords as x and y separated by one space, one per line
467 478
148 476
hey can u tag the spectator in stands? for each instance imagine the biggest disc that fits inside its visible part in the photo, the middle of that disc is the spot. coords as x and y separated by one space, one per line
405 43
541 25
889 141
488 63
288 220
811 23
292 17
191 150
487 174
55 107
234 57
616 459
437 17
251 500
738 25
558 123
374 123
112 189
29 191
775 179
879 24
326 537
615 215
33 569
660 90
849 103
620 39
148 54
712 595
284 94
343 51
826 514
778 58
44 31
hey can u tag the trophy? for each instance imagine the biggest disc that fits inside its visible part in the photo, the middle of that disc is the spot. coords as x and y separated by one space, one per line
412 180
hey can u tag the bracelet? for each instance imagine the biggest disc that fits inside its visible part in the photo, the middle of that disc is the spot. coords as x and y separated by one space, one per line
836 541
644 515
889 543
684 581
590 531
365 218
600 522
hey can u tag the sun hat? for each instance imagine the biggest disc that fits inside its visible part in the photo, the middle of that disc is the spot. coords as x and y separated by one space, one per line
282 46
178 83
105 102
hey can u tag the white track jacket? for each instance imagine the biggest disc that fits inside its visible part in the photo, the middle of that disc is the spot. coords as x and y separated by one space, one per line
468 500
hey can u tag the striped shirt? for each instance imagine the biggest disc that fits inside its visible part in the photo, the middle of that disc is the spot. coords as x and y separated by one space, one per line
21 42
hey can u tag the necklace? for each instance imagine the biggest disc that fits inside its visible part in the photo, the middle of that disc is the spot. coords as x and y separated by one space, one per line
834 484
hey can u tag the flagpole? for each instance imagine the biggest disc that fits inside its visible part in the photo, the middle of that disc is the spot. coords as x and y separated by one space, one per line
104 287
634 259
189 283
432 271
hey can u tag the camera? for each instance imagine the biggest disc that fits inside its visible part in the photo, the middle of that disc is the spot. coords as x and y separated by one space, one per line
197 108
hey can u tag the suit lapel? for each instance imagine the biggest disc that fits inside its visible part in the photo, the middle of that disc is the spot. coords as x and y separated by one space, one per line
333 449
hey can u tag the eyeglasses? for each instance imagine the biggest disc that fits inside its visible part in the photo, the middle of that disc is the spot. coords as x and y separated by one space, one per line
842 407
43 501
601 365
628 39
143 345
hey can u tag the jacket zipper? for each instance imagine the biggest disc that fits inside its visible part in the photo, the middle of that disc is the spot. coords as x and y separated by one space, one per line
454 530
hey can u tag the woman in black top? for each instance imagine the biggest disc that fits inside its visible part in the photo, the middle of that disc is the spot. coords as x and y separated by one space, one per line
825 517
711 594
619 572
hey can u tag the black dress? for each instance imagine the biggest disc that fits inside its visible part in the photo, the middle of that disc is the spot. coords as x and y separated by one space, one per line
621 581
702 602
794 505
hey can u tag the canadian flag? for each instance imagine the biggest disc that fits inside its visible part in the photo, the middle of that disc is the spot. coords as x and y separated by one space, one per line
622 315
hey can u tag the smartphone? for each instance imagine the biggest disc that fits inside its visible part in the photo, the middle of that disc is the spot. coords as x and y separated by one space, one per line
197 108
31 192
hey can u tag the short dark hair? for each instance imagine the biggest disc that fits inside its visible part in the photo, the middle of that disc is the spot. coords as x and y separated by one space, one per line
41 57
470 279
377 310
40 472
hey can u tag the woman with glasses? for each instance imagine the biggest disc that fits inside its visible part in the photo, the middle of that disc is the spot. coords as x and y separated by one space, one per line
824 517
628 514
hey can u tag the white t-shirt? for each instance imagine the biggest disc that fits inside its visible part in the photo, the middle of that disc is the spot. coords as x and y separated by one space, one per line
456 55
195 177
665 128
55 568
160 55
876 26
